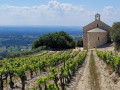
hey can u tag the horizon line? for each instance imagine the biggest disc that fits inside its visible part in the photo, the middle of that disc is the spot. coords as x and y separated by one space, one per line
42 25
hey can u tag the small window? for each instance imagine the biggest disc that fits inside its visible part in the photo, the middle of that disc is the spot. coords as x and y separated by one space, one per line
97 25
98 38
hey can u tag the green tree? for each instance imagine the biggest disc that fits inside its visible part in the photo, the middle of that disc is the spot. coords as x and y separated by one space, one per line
35 44
1 58
80 42
55 40
115 34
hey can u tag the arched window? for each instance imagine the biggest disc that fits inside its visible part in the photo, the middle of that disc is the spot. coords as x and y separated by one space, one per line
98 39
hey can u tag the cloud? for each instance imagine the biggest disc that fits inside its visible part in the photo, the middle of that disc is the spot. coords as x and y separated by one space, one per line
53 13
108 10
110 14
52 7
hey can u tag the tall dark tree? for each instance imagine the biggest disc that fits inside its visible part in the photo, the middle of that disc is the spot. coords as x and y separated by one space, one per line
115 34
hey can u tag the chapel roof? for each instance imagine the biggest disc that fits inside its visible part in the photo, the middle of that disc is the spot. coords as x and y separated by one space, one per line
97 21
96 30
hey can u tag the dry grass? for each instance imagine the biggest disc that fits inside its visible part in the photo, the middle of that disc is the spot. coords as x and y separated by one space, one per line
94 80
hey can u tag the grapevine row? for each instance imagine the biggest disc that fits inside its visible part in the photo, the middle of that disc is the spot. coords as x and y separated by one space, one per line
111 59
60 78
19 66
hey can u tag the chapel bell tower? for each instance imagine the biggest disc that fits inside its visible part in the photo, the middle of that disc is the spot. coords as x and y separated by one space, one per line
97 17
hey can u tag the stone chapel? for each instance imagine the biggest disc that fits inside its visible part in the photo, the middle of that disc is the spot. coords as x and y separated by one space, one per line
96 33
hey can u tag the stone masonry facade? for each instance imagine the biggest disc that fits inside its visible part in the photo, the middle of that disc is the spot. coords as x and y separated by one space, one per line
95 24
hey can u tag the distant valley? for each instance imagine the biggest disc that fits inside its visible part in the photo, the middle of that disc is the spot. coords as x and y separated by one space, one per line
18 38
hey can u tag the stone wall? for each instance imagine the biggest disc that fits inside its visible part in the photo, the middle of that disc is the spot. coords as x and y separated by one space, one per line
96 39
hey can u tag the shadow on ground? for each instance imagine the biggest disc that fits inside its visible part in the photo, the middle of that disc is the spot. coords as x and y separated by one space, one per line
106 45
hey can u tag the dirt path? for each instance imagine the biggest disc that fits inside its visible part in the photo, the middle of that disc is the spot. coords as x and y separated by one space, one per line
90 77
102 77
94 73
83 83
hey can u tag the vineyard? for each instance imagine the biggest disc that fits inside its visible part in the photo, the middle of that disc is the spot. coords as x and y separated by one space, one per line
72 69
58 66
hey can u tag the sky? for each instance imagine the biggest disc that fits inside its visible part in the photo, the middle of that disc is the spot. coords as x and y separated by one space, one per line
58 12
